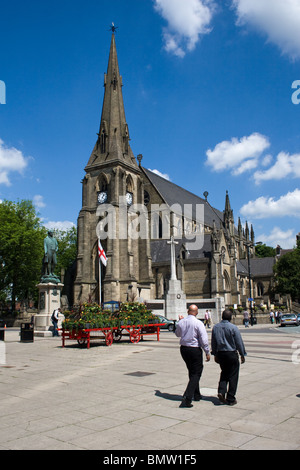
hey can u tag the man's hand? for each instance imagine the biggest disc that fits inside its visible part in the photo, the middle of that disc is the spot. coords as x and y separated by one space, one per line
242 359
207 357
180 317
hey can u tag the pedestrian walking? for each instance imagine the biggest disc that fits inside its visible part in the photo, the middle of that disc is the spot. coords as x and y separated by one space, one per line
246 318
54 319
272 316
193 339
207 319
227 344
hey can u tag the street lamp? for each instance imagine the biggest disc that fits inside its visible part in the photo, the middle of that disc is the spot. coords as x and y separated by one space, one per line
250 286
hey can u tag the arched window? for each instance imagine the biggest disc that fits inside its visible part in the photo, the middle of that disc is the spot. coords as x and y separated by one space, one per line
227 281
129 184
102 184
260 289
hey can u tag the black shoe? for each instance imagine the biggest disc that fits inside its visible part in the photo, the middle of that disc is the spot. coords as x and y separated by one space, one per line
222 398
197 397
231 403
185 404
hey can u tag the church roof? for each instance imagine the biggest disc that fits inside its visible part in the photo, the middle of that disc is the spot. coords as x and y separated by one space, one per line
259 266
160 250
172 194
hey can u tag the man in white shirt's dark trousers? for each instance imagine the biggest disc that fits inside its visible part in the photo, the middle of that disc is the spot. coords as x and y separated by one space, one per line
227 344
193 338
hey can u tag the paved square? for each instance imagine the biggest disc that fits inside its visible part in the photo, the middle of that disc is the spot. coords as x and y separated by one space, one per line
127 396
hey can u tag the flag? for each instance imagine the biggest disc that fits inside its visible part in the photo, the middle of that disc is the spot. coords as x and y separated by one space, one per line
101 253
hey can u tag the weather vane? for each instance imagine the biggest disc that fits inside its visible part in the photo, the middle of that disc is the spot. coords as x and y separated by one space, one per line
113 28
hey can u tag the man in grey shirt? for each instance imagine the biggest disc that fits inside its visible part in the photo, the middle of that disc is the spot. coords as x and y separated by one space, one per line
193 338
226 343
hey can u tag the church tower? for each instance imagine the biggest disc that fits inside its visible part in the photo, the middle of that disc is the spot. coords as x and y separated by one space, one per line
111 189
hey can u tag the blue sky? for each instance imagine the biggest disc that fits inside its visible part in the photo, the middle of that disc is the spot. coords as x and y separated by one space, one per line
207 91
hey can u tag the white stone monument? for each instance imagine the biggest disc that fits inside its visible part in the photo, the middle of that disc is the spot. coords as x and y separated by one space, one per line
49 300
175 299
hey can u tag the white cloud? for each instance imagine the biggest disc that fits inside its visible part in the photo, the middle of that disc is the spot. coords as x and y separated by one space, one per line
11 160
38 201
159 173
285 165
285 238
238 155
278 19
266 160
265 207
187 20
59 225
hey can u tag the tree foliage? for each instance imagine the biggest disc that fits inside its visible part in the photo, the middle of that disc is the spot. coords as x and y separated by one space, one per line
67 248
264 251
287 272
21 250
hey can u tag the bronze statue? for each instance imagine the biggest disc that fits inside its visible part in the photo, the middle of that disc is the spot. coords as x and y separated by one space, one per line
50 260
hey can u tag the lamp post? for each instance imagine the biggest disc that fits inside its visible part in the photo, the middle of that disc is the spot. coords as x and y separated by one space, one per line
250 279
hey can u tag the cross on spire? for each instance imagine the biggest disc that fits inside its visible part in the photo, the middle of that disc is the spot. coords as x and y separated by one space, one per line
113 28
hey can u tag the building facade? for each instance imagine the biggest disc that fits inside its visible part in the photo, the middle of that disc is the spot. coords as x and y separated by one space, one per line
134 212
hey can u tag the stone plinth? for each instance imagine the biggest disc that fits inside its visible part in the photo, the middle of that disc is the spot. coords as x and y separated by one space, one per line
175 300
49 300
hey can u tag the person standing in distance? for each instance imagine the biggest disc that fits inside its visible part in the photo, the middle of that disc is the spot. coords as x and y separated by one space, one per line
226 343
54 318
193 338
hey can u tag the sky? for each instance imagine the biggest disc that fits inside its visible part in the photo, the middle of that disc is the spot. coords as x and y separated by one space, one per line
211 91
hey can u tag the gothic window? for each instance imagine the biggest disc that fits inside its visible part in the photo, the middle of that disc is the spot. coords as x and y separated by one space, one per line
227 281
129 184
103 137
126 138
114 81
102 183
103 141
146 198
260 289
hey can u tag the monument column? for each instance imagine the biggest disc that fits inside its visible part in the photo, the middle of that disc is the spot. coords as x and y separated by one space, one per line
175 299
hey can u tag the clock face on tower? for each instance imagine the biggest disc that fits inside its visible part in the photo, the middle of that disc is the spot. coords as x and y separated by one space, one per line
102 197
129 198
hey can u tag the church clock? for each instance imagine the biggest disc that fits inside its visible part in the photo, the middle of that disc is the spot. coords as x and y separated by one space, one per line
101 197
129 198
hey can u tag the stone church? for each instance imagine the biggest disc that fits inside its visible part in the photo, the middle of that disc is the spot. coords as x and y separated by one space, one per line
135 213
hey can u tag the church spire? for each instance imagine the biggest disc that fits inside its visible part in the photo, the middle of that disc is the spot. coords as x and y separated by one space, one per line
113 138
228 215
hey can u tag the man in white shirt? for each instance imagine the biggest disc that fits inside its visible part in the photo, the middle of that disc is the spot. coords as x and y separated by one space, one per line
193 338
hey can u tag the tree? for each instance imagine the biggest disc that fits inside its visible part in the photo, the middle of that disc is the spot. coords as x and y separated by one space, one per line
264 251
287 273
21 250
67 249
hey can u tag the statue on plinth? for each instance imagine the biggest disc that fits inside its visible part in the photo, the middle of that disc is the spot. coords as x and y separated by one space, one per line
50 259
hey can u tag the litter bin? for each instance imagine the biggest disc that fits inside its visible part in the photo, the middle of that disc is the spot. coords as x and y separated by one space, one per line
2 330
27 333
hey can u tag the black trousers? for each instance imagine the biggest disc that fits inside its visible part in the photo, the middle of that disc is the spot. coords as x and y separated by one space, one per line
194 363
230 366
